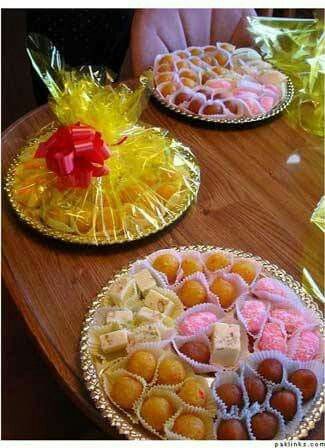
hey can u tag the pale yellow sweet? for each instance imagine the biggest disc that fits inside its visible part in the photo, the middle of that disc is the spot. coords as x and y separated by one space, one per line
142 363
190 426
125 391
156 411
171 371
245 269
192 392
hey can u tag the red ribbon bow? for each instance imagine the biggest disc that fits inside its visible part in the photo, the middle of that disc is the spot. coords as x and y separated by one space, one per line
76 153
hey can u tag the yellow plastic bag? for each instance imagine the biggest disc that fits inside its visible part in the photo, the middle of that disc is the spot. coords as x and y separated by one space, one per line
151 178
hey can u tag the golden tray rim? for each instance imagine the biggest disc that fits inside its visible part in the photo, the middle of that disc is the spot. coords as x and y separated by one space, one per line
133 431
101 240
280 107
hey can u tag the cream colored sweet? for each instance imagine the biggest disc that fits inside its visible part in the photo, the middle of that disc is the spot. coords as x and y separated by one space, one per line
122 316
146 314
114 341
144 280
226 344
157 302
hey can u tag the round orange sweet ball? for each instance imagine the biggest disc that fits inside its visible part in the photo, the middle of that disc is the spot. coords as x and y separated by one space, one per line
246 269
190 265
156 411
216 260
192 292
142 363
192 392
125 391
171 371
190 426
225 290
168 264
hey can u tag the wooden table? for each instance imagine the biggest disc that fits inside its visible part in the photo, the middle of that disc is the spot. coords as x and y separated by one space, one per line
259 188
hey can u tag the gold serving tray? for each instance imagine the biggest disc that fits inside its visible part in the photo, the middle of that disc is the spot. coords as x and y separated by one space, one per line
136 432
101 240
280 107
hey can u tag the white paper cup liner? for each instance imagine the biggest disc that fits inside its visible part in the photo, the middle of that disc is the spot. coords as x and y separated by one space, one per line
222 377
207 420
203 307
198 367
236 280
161 391
152 257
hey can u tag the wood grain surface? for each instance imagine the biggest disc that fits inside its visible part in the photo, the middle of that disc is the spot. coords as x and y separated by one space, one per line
259 187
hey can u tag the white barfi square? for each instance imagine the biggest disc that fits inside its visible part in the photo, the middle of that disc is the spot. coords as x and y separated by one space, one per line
145 333
144 280
114 341
158 302
225 344
122 316
145 314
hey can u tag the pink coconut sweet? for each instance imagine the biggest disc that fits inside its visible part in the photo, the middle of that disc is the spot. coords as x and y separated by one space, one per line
292 320
307 346
196 322
254 313
272 338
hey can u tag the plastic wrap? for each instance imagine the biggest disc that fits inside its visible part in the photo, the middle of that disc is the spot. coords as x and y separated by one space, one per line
122 181
296 47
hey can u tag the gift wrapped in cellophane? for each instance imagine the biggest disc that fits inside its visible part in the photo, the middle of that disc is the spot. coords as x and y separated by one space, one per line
296 47
97 175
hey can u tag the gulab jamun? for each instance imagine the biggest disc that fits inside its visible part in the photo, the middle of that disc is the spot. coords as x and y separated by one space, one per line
171 371
271 369
190 426
168 264
231 395
212 109
195 105
264 425
190 265
142 363
156 410
192 292
245 269
225 291
192 392
216 261
306 382
284 401
125 391
256 389
181 97
232 429
199 351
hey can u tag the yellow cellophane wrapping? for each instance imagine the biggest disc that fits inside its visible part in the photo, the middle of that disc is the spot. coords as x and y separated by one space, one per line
152 178
296 47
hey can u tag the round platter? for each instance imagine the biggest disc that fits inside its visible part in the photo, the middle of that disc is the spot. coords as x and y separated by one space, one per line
284 103
37 225
134 431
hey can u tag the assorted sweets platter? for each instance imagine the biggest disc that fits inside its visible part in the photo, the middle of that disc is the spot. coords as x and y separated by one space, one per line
204 343
220 83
